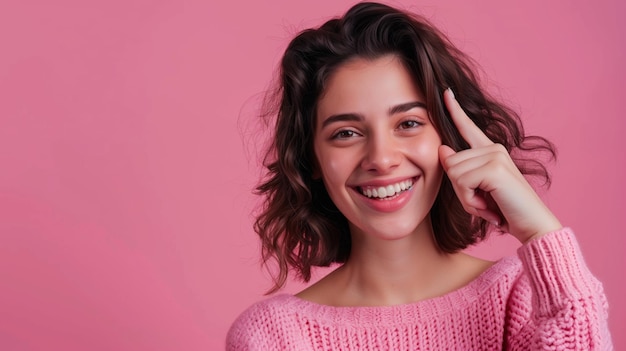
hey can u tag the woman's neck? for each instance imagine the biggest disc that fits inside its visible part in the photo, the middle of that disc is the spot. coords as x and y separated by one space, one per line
390 272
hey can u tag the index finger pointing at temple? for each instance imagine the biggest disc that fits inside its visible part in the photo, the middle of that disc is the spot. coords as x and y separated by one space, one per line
468 129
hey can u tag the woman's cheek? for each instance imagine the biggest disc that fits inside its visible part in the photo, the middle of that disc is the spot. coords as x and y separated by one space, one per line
425 149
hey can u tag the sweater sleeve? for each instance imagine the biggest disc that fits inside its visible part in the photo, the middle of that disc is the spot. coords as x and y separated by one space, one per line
269 324
557 304
250 330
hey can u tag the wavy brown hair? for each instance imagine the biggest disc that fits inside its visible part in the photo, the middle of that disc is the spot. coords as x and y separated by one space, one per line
298 224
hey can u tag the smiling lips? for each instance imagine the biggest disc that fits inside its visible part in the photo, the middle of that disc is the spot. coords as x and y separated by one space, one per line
382 192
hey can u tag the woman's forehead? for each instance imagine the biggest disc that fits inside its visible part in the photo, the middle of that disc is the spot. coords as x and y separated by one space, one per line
366 83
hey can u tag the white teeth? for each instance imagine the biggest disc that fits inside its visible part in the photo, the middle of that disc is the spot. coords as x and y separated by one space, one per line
386 191
390 190
397 188
382 192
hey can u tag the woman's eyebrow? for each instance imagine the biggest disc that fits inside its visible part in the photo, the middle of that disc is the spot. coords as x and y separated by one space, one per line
355 117
343 117
406 107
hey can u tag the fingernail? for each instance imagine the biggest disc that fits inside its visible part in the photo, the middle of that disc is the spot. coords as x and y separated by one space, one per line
495 223
451 92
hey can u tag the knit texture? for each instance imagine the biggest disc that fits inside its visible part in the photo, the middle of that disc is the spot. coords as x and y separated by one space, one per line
545 299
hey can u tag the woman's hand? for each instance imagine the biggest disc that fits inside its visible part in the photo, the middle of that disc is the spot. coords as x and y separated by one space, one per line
488 183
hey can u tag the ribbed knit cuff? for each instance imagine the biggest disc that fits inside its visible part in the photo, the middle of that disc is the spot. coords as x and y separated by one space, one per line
556 269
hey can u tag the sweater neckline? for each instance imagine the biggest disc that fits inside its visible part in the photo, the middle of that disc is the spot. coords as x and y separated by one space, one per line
429 308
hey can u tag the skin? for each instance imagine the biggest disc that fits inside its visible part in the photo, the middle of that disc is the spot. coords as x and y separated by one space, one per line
372 131
361 142
489 167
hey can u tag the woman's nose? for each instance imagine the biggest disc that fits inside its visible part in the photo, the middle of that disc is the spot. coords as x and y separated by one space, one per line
382 154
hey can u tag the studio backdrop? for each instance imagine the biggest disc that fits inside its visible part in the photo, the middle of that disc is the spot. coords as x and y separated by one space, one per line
130 145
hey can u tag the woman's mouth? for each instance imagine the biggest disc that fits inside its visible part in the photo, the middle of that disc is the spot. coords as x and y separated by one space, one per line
387 191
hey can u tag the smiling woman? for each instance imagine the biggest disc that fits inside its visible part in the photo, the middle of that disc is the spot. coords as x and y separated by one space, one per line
377 165
389 141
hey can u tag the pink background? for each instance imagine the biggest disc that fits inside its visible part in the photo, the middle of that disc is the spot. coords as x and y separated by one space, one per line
127 153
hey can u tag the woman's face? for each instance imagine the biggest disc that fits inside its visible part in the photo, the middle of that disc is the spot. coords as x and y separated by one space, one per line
376 149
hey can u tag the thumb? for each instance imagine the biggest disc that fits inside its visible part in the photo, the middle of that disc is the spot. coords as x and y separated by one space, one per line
444 152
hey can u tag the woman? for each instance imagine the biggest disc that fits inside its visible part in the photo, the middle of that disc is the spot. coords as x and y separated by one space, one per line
389 159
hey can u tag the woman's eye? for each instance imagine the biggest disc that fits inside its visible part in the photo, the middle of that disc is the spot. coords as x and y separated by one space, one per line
344 134
409 124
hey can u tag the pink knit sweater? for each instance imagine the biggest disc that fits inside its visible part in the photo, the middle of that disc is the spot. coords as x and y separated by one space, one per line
547 299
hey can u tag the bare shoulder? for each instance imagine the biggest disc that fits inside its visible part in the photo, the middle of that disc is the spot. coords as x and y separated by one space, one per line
325 291
472 266
459 271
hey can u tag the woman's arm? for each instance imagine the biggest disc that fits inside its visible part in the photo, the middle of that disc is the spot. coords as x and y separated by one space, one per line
558 304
